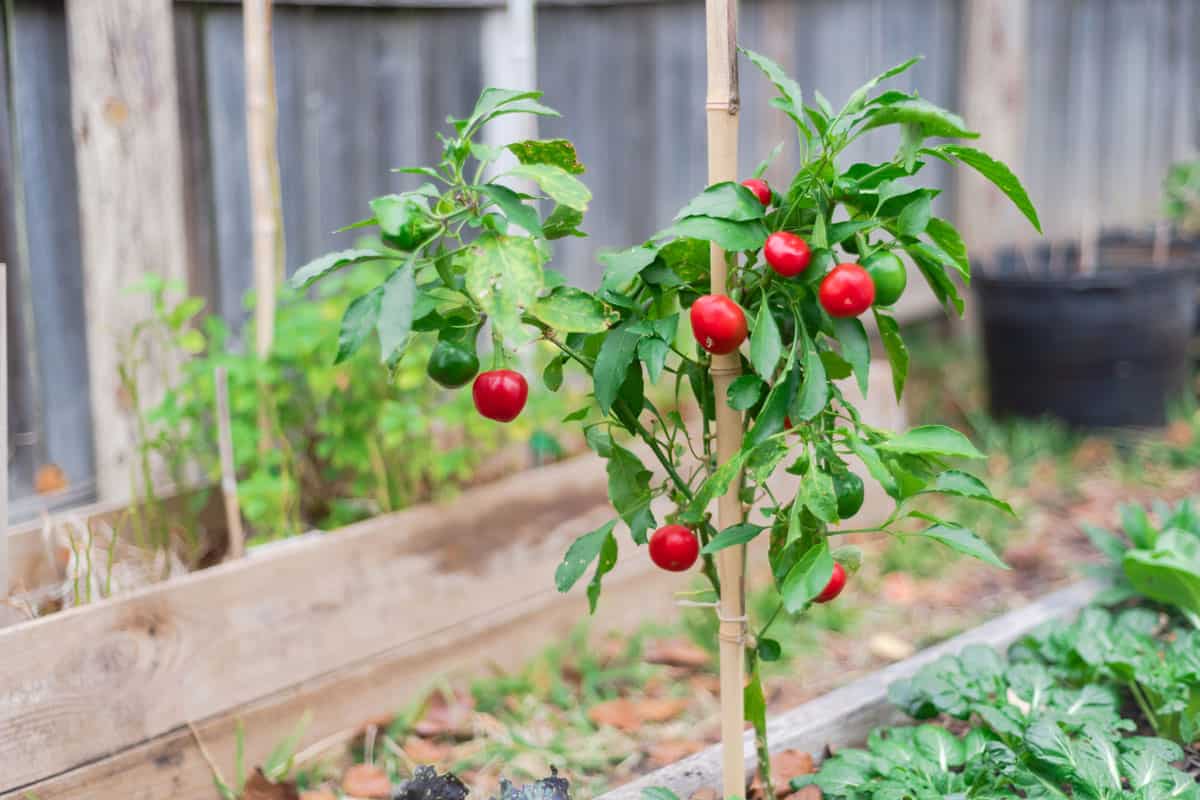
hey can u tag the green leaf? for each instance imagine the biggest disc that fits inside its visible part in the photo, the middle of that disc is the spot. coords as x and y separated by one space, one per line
727 200
930 260
814 391
963 484
893 345
513 207
729 236
320 267
572 310
961 540
744 391
612 364
774 411
789 90
1170 573
580 555
817 494
931 440
358 322
623 266
653 353
807 578
604 564
687 258
948 240
934 120
556 182
754 703
766 345
874 464
856 348
841 231
504 275
556 152
563 221
715 485
1000 175
396 313
915 216
858 98
552 375
731 536
658 793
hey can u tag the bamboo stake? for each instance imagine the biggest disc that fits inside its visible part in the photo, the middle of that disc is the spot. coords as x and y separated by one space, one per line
4 587
233 510
262 128
722 108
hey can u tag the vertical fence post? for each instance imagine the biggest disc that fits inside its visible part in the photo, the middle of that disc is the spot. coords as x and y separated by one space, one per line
995 57
4 560
721 108
129 159
508 42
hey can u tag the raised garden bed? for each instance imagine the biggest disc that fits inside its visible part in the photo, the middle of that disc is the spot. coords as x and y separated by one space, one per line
845 716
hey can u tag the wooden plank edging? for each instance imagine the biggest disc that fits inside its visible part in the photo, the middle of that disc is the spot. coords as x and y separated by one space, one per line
89 682
845 716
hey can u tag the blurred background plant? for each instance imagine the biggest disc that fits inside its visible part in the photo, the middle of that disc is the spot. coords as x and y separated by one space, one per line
1182 188
351 440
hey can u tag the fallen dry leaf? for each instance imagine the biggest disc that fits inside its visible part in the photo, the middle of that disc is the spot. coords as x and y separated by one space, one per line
423 751
629 714
366 780
1179 433
668 752
258 787
788 764
318 794
899 589
447 716
678 653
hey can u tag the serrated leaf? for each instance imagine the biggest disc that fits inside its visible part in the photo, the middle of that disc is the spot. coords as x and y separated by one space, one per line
358 323
330 262
1001 177
573 310
931 440
556 182
580 555
513 207
556 152
727 200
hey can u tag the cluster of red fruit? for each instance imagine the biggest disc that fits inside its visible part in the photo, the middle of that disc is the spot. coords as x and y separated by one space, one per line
847 290
675 548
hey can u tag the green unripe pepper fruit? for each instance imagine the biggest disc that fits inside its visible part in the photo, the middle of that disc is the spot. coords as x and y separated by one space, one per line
451 365
849 490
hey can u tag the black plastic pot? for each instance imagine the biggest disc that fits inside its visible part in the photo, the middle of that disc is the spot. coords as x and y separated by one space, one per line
1104 350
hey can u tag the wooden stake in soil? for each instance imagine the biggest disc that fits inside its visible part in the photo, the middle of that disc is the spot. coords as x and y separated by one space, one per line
722 108
233 510
262 126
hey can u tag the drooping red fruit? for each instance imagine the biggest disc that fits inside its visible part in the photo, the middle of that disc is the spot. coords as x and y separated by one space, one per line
837 582
847 291
674 548
500 394
760 188
787 253
718 323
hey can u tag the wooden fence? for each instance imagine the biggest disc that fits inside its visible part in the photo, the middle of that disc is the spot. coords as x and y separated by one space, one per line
1092 100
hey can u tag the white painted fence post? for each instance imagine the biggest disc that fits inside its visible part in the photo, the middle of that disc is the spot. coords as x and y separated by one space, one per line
4 587
508 42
